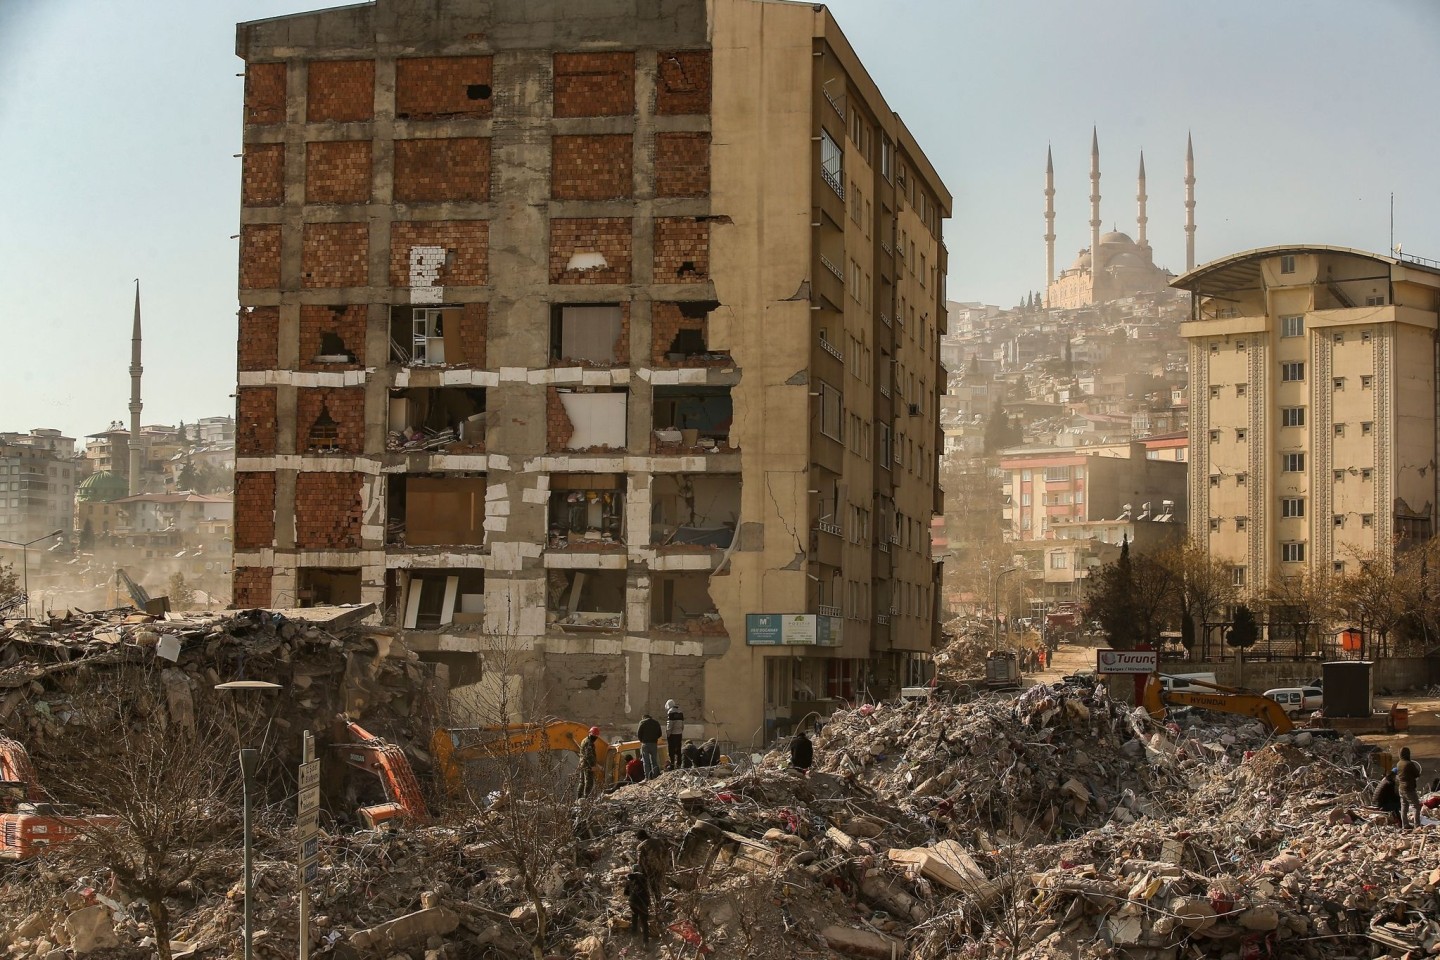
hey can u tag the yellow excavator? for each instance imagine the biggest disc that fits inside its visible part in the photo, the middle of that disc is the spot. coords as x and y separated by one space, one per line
1223 699
453 747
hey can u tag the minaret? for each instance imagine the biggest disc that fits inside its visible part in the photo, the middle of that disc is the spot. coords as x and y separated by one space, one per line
1189 204
1049 223
1094 210
135 371
1141 220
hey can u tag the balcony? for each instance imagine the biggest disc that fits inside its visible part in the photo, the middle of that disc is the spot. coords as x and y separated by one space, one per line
883 619
827 610
831 349
827 526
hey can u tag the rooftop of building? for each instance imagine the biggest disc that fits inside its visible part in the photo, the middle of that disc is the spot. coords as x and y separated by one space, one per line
1241 271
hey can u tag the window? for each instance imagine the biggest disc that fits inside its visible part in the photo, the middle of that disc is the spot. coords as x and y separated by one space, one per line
1025 475
1214 523
883 440
1364 336
1287 264
1240 479
1237 576
886 151
1292 462
1339 476
1339 520
831 422
832 164
1214 479
1292 416
1339 384
1375 301
587 333
1214 347
1292 552
1366 429
1367 473
1239 346
1292 326
1214 393
1339 429
1338 336
1024 499
1338 568
1367 519
1367 381
1240 389
1057 474
1059 561
1292 506
1292 372
1240 522
1241 434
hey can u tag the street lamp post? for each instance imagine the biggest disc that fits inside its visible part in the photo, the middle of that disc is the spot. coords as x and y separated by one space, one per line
249 765
995 604
25 563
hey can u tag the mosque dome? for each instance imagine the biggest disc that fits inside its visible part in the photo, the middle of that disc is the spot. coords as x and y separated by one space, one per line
101 487
1115 236
1082 262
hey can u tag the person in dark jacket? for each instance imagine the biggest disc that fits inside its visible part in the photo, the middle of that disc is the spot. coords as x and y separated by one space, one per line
674 732
802 753
690 755
649 733
637 891
1387 796
1407 777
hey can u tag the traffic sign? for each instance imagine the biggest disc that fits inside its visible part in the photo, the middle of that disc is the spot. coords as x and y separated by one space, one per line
309 798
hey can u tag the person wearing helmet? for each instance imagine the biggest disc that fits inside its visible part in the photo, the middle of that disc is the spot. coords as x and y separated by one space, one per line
588 760
674 733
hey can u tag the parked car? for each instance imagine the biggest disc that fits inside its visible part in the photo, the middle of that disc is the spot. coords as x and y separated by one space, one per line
1298 699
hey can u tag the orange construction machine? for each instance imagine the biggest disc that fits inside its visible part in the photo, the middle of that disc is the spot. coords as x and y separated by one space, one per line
452 747
28 823
385 760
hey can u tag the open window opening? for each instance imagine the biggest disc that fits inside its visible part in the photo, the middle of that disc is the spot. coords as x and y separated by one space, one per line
586 510
591 334
423 510
327 586
324 435
680 335
440 598
440 418
680 603
580 601
429 336
694 510
692 419
588 418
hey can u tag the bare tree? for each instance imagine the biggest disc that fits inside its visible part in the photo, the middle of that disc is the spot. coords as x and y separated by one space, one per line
1205 587
1376 596
1301 605
163 779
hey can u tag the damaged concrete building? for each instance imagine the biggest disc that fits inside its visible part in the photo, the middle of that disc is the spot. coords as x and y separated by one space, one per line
598 344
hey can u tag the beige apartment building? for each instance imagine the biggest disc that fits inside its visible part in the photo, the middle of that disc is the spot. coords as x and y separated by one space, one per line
601 351
1313 406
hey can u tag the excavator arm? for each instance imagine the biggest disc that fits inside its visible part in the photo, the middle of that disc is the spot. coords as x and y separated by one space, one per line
1224 700
451 754
383 759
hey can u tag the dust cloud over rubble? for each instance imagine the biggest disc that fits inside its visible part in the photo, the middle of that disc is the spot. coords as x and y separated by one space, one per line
1053 822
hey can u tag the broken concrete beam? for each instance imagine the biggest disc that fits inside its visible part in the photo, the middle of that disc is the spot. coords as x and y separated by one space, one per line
862 943
948 864
887 894
412 928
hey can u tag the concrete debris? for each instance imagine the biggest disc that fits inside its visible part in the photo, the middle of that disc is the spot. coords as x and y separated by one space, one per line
1052 823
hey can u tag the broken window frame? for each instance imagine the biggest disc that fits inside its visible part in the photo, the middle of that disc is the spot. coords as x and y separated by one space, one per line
428 433
558 324
445 593
562 611
675 411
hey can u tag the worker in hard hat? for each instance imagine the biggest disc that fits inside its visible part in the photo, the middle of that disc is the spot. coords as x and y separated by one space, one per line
589 760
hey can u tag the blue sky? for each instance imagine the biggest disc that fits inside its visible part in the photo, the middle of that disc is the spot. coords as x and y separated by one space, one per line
118 122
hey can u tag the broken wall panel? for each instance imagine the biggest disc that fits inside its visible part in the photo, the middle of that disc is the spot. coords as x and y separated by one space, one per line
327 586
440 510
692 419
694 509
682 603
332 337
590 250
683 84
581 601
680 335
437 598
466 252
250 587
596 420
330 419
435 88
682 250
443 335
437 418
586 510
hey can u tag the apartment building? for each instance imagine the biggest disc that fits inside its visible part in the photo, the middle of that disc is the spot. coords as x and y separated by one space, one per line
601 351
1313 406
1047 488
38 475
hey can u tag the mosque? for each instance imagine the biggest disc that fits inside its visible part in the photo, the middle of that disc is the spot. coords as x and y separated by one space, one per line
1114 265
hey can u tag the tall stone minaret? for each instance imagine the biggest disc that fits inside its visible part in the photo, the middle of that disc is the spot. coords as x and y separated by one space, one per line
1189 203
1094 210
135 371
1141 220
1049 223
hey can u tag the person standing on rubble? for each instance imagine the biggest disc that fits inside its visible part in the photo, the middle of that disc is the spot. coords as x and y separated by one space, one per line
588 762
1407 773
674 733
802 753
652 860
638 893
648 733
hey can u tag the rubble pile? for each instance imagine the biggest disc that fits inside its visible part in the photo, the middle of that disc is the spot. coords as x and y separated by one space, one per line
1053 823
967 642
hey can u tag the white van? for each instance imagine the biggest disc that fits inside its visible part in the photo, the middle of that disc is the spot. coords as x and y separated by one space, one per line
1187 681
1298 699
